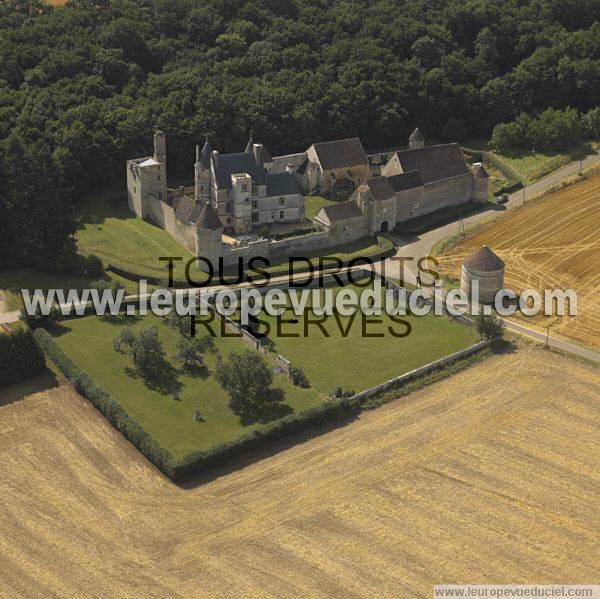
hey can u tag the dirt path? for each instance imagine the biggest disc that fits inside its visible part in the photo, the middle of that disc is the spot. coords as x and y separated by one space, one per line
490 476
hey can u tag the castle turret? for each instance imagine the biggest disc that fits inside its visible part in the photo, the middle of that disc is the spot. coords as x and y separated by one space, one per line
209 232
249 145
416 140
479 189
202 172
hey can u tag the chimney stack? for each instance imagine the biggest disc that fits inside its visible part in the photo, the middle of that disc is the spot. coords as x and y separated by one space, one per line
215 157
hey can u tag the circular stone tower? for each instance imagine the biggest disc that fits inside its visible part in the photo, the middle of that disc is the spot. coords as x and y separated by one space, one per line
485 267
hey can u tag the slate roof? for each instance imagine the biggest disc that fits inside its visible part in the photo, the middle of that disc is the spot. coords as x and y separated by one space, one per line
405 181
416 135
342 210
240 162
205 154
342 153
184 207
483 260
205 217
434 163
302 168
481 173
380 188
149 162
280 184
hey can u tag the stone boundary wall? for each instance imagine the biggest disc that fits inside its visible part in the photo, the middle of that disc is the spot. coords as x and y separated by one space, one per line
423 370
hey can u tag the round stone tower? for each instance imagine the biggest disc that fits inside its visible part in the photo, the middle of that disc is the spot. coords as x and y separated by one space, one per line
479 191
209 237
416 140
488 269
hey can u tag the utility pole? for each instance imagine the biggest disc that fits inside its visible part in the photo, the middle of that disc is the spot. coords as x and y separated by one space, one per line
547 335
580 166
523 196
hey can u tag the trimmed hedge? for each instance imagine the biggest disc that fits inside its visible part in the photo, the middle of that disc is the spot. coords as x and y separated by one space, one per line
20 357
105 404
195 462
330 411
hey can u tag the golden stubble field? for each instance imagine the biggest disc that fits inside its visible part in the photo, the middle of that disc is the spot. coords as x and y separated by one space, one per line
489 476
552 243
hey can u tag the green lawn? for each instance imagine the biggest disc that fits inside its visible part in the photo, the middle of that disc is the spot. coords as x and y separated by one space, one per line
356 361
170 422
106 228
353 361
312 205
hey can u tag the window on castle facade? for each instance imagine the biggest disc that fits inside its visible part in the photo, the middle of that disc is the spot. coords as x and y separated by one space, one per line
254 204
281 214
255 217
281 201
244 186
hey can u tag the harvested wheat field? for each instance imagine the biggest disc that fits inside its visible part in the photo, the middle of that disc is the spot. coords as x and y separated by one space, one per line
552 243
489 476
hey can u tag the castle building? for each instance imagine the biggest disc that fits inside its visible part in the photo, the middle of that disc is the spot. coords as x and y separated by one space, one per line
243 190
413 183
336 167
235 194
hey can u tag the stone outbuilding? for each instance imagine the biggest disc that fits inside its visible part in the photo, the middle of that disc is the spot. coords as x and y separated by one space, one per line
487 268
340 166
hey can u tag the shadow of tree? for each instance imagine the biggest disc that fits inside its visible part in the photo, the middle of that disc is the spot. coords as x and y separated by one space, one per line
165 383
200 371
18 391
270 409
121 319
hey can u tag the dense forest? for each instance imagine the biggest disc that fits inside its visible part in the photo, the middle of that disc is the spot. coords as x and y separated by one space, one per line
83 86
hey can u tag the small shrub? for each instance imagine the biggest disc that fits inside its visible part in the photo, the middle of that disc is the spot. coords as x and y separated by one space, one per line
299 378
125 337
189 353
488 325
39 320
340 393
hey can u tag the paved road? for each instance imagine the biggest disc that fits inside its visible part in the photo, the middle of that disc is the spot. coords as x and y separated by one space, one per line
403 265
420 245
